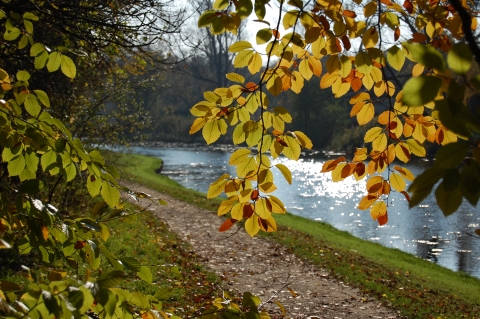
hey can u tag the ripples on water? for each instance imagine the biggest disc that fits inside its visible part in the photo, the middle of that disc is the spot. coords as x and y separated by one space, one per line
422 231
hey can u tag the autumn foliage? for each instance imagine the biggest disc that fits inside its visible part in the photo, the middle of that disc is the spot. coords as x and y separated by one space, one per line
355 48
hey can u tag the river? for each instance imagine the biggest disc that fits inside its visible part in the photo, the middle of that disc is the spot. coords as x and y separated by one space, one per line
422 231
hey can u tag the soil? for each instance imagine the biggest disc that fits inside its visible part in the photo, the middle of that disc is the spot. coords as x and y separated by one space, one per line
262 267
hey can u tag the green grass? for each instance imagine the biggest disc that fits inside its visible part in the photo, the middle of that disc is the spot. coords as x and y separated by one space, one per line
185 285
415 287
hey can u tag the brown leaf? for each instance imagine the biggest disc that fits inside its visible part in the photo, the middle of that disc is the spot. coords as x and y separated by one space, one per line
382 220
227 224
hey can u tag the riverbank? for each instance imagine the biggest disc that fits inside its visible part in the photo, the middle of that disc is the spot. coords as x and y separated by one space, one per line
417 288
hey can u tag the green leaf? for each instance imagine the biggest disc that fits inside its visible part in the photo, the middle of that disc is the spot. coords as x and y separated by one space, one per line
110 194
111 278
421 90
43 97
71 172
54 61
244 9
23 42
459 58
426 55
41 60
37 49
94 185
240 46
28 26
451 155
31 105
427 179
30 16
264 35
12 34
16 165
363 63
207 18
140 300
68 67
470 182
130 263
395 57
48 159
23 75
243 58
145 274
220 4
448 201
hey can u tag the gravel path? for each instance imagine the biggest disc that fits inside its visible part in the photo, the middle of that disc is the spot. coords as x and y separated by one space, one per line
263 267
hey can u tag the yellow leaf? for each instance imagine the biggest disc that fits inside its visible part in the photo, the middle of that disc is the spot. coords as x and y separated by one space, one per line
370 9
377 210
239 155
197 125
405 172
227 205
285 172
235 77
364 96
341 89
366 114
374 184
303 139
246 167
397 182
345 66
274 85
367 201
416 148
243 58
251 225
360 155
337 173
402 151
380 142
255 63
370 38
211 131
217 187
240 46
305 70
315 65
368 82
363 63
297 82
292 150
372 134
277 205
333 63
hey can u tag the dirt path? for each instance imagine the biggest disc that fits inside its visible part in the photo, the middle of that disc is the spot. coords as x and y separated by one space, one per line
262 267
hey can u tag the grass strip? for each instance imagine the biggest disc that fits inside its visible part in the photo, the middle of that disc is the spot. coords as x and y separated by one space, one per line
415 287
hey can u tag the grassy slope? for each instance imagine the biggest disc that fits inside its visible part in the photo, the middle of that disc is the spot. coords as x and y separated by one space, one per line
418 288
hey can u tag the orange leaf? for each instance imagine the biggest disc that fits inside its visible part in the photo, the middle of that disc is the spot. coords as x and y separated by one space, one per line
374 184
250 87
227 224
339 47
406 195
348 170
276 34
357 108
346 42
349 14
396 34
79 244
247 211
382 220
324 22
356 84
331 164
45 232
408 6
385 188
418 37
254 195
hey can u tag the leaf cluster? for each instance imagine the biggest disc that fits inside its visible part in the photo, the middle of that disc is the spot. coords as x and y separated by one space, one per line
429 108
